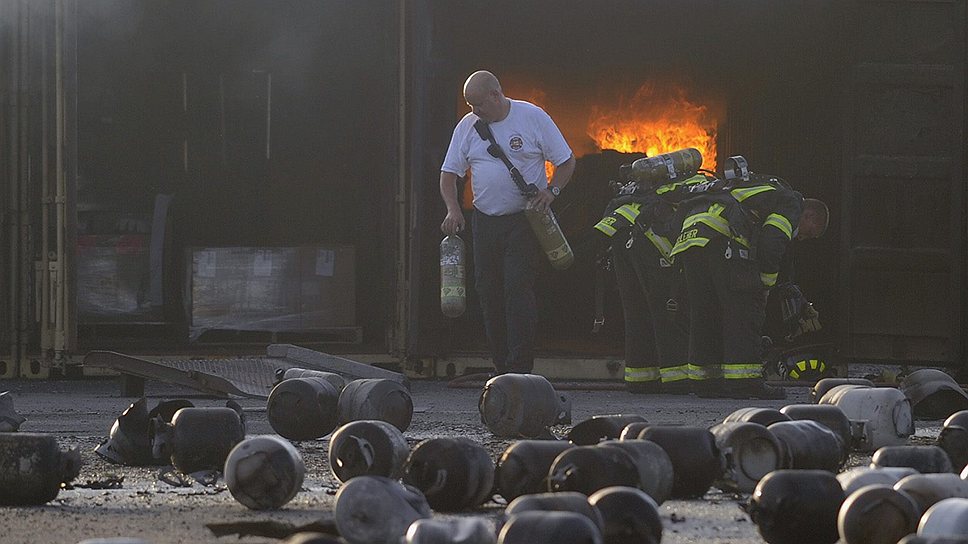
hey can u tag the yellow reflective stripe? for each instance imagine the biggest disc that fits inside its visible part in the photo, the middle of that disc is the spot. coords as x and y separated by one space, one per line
781 223
698 178
769 280
674 373
641 374
629 211
714 220
742 193
605 226
739 371
697 372
660 243
692 242
813 364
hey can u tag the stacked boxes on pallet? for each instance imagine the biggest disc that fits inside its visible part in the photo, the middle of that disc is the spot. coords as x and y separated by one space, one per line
277 289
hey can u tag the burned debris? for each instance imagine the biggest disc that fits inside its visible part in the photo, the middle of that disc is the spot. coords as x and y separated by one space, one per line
10 420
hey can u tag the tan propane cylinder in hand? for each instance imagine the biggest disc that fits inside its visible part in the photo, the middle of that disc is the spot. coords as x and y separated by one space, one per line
453 292
550 237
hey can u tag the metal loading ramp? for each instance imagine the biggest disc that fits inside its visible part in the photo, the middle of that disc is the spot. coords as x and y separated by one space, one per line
250 376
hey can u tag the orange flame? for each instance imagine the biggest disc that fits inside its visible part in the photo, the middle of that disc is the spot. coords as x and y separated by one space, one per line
656 121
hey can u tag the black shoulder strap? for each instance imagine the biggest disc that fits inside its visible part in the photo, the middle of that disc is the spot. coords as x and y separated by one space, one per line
484 131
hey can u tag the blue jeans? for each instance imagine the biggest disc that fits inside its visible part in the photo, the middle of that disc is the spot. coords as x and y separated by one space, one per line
505 250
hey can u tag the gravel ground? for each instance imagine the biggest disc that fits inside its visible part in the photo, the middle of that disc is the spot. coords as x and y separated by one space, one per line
80 413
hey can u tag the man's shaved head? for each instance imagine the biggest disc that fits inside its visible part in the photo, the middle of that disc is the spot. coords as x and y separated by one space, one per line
480 83
482 92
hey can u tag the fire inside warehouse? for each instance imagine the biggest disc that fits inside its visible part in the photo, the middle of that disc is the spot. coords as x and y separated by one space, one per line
231 210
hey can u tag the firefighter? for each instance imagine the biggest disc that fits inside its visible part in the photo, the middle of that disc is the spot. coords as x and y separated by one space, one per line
639 224
731 244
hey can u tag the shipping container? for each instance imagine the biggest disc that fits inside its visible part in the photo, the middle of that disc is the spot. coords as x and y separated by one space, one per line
144 141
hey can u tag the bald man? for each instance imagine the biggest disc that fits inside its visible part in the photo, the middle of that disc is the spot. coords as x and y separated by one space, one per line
505 247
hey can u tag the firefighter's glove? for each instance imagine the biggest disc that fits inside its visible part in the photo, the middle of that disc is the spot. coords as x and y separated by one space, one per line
809 321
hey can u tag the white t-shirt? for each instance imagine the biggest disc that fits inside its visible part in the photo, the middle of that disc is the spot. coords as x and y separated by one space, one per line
529 138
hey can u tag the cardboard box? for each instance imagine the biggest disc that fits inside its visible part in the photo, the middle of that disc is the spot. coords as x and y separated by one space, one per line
279 289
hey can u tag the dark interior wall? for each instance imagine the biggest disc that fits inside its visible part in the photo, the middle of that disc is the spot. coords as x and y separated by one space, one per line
215 73
777 70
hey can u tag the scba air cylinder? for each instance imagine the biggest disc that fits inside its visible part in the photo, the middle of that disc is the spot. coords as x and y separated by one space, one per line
551 238
667 167
453 291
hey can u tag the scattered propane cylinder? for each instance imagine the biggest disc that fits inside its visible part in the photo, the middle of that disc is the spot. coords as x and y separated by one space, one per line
264 472
376 398
934 394
763 416
929 489
750 452
550 237
453 531
453 473
632 430
630 515
371 447
549 528
33 467
655 468
10 420
597 428
453 291
881 416
338 381
946 518
586 469
826 414
797 507
953 439
303 408
810 445
565 501
924 459
695 458
522 406
826 384
877 514
129 441
198 438
858 477
667 167
523 467
377 509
